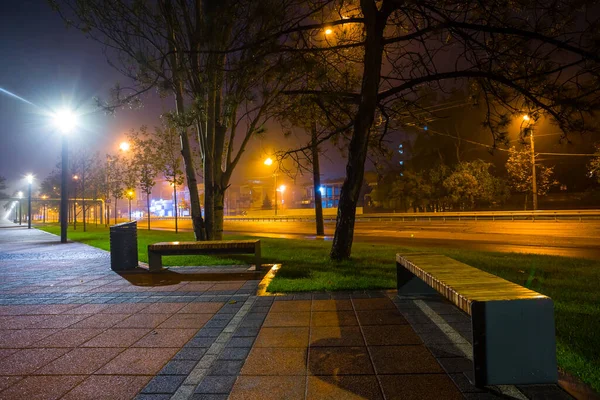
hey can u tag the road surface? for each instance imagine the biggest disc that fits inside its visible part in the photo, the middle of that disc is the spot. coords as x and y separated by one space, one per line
563 238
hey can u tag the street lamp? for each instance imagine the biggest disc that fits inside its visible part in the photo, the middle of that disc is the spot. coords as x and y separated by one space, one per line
124 146
75 178
269 162
30 182
20 196
65 121
129 197
281 189
526 118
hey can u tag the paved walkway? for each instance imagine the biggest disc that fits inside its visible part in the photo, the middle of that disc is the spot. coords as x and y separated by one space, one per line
71 328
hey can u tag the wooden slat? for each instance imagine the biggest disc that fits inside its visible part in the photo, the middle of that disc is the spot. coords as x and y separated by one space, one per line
215 244
461 283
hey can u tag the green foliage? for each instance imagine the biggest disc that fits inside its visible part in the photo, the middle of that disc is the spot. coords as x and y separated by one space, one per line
471 184
267 204
594 165
519 168
466 186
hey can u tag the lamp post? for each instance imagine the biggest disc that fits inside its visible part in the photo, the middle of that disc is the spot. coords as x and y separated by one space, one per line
75 178
20 196
30 182
66 122
44 197
533 176
129 197
269 162
175 204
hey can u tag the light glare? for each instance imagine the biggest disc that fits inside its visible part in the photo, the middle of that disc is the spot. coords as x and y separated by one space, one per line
65 121
29 178
268 161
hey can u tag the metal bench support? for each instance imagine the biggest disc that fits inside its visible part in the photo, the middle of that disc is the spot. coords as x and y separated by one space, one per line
514 342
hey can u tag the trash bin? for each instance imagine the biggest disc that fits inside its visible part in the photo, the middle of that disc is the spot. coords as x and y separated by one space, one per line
123 247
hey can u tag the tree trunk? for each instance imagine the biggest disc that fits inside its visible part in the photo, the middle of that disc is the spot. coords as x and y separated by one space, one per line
317 182
148 208
357 152
186 152
219 202
190 174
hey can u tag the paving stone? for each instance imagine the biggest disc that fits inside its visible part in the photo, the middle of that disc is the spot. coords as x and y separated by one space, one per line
385 335
542 392
291 306
201 341
209 332
234 353
346 387
339 361
464 385
458 364
108 387
178 367
403 360
275 361
164 384
216 384
269 388
419 387
240 342
190 353
216 323
246 332
226 368
336 336
283 337
332 305
207 396
153 396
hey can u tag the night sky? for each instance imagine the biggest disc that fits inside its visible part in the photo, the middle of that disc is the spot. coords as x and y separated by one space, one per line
52 67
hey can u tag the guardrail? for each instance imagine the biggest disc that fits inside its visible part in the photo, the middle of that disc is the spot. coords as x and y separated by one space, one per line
559 215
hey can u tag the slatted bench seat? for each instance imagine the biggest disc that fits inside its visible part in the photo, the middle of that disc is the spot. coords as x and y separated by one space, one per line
157 250
513 327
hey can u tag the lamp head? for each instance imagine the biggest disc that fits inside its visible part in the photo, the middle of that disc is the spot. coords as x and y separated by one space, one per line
328 31
29 178
268 161
282 188
526 117
124 146
65 121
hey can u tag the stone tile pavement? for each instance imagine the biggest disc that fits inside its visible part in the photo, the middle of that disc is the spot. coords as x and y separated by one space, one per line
71 328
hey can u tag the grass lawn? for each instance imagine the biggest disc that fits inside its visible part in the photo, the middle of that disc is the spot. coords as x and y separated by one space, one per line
573 284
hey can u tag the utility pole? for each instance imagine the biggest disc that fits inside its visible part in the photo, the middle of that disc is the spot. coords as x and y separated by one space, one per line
526 118
533 177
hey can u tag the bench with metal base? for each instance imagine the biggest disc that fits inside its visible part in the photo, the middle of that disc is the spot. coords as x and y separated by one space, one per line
513 327
157 250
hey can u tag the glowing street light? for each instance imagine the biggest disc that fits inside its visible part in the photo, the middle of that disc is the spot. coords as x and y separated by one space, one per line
526 118
124 146
66 121
328 31
269 162
129 197
30 182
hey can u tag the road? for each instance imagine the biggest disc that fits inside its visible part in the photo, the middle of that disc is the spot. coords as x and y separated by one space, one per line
563 238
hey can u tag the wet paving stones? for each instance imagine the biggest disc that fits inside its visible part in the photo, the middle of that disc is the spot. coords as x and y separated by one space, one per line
71 328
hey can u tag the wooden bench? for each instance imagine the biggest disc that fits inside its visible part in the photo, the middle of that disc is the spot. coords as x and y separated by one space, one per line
513 327
157 250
